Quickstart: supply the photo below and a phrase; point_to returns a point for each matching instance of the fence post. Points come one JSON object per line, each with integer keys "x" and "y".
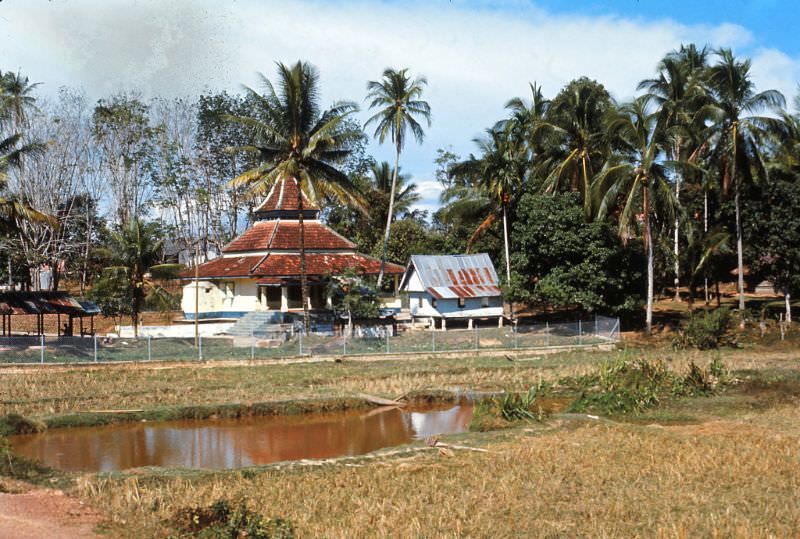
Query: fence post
{"x": 616, "y": 330}
{"x": 344, "y": 342}
{"x": 387, "y": 339}
{"x": 252, "y": 345}
{"x": 149, "y": 353}
{"x": 300, "y": 342}
{"x": 547, "y": 333}
{"x": 95, "y": 348}
{"x": 433, "y": 340}
{"x": 596, "y": 331}
{"x": 42, "y": 350}
{"x": 580, "y": 332}
{"x": 477, "y": 343}
{"x": 516, "y": 336}
{"x": 200, "y": 347}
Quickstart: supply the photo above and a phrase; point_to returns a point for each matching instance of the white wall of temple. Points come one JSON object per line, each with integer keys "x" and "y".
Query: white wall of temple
{"x": 233, "y": 295}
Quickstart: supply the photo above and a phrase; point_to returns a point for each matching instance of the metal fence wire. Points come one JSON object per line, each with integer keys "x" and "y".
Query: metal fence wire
{"x": 288, "y": 343}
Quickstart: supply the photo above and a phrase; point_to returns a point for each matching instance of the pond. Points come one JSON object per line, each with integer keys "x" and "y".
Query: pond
{"x": 237, "y": 443}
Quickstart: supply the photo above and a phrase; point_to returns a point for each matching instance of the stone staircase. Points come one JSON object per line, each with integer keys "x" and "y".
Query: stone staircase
{"x": 258, "y": 323}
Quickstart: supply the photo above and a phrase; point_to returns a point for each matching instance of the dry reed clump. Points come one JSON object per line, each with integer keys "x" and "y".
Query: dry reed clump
{"x": 723, "y": 479}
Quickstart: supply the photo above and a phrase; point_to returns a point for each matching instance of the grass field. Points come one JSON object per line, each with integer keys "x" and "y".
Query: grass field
{"x": 725, "y": 465}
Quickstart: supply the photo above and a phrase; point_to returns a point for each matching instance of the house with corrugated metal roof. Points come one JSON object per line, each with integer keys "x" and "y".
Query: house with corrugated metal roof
{"x": 442, "y": 288}
{"x": 259, "y": 271}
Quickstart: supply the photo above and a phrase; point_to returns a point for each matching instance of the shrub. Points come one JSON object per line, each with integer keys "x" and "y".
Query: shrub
{"x": 706, "y": 329}
{"x": 221, "y": 521}
{"x": 498, "y": 412}
{"x": 625, "y": 387}
{"x": 17, "y": 424}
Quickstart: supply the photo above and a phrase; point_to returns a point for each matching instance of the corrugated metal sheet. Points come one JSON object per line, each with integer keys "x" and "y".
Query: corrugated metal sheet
{"x": 457, "y": 276}
{"x": 18, "y": 303}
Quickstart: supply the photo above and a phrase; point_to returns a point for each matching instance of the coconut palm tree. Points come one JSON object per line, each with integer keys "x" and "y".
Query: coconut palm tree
{"x": 577, "y": 141}
{"x": 526, "y": 119}
{"x": 380, "y": 181}
{"x": 738, "y": 130}
{"x": 134, "y": 252}
{"x": 496, "y": 177}
{"x": 637, "y": 178}
{"x": 400, "y": 108}
{"x": 680, "y": 94}
{"x": 293, "y": 138}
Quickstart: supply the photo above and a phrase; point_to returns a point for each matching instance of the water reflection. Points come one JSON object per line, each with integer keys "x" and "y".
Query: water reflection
{"x": 235, "y": 443}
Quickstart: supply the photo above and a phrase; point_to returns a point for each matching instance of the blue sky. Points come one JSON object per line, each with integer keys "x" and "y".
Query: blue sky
{"x": 476, "y": 54}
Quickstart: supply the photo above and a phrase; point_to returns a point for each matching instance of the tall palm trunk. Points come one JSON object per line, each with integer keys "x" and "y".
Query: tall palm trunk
{"x": 677, "y": 223}
{"x": 705, "y": 232}
{"x": 391, "y": 213}
{"x": 739, "y": 246}
{"x": 787, "y": 298}
{"x": 505, "y": 240}
{"x": 649, "y": 247}
{"x": 303, "y": 276}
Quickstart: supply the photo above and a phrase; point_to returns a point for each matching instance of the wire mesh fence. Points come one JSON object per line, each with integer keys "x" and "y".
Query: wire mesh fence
{"x": 288, "y": 343}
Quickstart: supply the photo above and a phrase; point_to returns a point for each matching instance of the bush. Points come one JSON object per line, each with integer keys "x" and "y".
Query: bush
{"x": 624, "y": 387}
{"x": 16, "y": 424}
{"x": 221, "y": 521}
{"x": 499, "y": 412}
{"x": 707, "y": 329}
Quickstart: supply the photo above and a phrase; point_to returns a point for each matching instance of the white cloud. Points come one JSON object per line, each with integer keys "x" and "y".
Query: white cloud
{"x": 475, "y": 58}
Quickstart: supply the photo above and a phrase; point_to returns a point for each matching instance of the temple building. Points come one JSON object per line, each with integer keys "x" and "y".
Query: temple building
{"x": 260, "y": 270}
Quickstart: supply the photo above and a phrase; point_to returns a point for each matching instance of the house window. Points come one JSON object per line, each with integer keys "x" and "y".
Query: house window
{"x": 484, "y": 302}
{"x": 433, "y": 302}
{"x": 419, "y": 302}
{"x": 460, "y": 303}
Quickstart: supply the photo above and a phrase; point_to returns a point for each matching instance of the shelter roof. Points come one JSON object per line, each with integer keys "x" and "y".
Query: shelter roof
{"x": 47, "y": 302}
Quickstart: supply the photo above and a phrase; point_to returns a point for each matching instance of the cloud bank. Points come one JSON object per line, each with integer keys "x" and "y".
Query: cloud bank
{"x": 475, "y": 55}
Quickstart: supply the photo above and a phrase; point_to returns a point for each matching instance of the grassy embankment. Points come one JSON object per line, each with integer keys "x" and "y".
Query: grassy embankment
{"x": 724, "y": 464}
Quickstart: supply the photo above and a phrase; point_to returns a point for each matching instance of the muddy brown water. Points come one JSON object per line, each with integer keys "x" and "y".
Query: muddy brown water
{"x": 237, "y": 443}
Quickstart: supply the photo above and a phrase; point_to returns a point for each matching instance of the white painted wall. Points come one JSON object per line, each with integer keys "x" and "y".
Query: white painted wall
{"x": 176, "y": 331}
{"x": 218, "y": 297}
{"x": 449, "y": 307}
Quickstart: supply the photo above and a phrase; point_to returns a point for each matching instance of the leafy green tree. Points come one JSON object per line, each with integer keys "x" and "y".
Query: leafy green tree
{"x": 398, "y": 99}
{"x": 353, "y": 298}
{"x": 562, "y": 261}
{"x": 738, "y": 131}
{"x": 291, "y": 137}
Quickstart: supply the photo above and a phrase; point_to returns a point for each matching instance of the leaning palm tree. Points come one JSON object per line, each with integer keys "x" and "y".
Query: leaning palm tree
{"x": 398, "y": 99}
{"x": 637, "y": 179}
{"x": 738, "y": 130}
{"x": 293, "y": 138}
{"x": 680, "y": 94}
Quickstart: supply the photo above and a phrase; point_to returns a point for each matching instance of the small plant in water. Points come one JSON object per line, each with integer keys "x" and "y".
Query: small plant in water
{"x": 220, "y": 520}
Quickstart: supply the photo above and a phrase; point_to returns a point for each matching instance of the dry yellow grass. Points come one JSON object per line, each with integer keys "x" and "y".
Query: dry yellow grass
{"x": 720, "y": 479}
{"x": 44, "y": 391}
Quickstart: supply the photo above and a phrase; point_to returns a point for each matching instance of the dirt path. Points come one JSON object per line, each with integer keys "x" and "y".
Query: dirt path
{"x": 45, "y": 514}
